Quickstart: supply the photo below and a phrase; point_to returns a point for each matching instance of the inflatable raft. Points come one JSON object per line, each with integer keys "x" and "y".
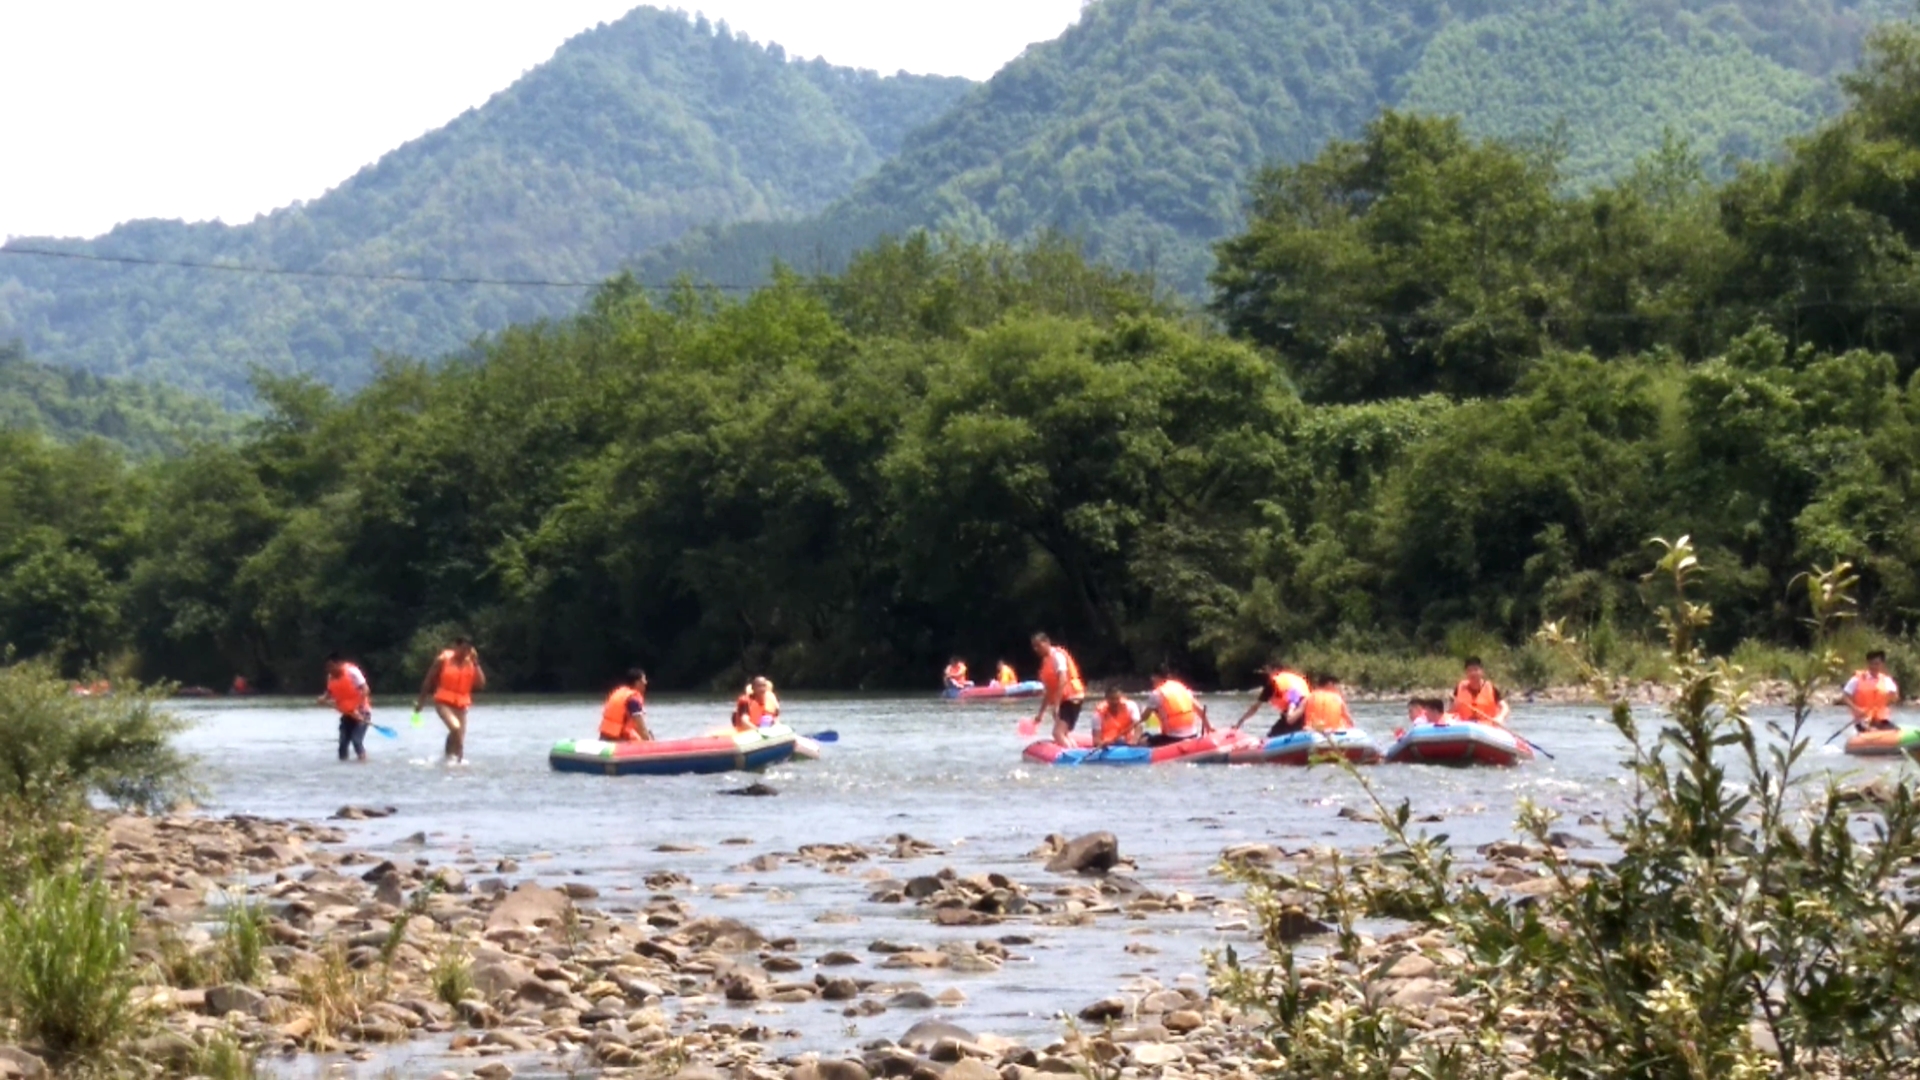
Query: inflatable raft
{"x": 1212, "y": 748}
{"x": 1458, "y": 744}
{"x": 994, "y": 692}
{"x": 1884, "y": 742}
{"x": 1308, "y": 748}
{"x": 748, "y": 751}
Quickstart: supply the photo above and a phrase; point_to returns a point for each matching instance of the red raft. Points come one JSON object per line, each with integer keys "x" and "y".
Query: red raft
{"x": 1211, "y": 748}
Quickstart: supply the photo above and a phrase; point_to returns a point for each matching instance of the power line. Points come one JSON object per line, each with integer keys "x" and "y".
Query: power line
{"x": 353, "y": 275}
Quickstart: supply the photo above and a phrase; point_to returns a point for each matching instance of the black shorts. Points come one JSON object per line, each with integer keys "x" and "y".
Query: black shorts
{"x": 1168, "y": 740}
{"x": 1070, "y": 713}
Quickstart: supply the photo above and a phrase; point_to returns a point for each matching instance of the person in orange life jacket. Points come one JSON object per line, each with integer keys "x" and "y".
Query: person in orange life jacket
{"x": 756, "y": 708}
{"x": 1119, "y": 720}
{"x": 1325, "y": 710}
{"x": 451, "y": 681}
{"x": 956, "y": 674}
{"x": 624, "y": 717}
{"x": 1181, "y": 717}
{"x": 1004, "y": 675}
{"x": 347, "y": 692}
{"x": 1871, "y": 694}
{"x": 1065, "y": 692}
{"x": 1286, "y": 691}
{"x": 1478, "y": 700}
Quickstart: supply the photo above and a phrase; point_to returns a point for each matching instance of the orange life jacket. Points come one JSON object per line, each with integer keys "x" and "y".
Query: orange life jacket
{"x": 1481, "y": 707}
{"x": 348, "y": 697}
{"x": 756, "y": 714}
{"x": 1287, "y": 684}
{"x": 1073, "y": 690}
{"x": 1873, "y": 697}
{"x": 1005, "y": 676}
{"x": 957, "y": 674}
{"x": 1326, "y": 711}
{"x": 615, "y": 724}
{"x": 1116, "y": 724}
{"x": 1179, "y": 716}
{"x": 456, "y": 681}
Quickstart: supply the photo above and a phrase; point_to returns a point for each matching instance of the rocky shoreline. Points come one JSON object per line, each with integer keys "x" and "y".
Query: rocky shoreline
{"x": 487, "y": 970}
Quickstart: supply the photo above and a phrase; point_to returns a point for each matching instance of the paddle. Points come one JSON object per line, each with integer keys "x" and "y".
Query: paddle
{"x": 384, "y": 730}
{"x": 1028, "y": 728}
{"x": 1537, "y": 746}
{"x": 1844, "y": 728}
{"x": 825, "y": 736}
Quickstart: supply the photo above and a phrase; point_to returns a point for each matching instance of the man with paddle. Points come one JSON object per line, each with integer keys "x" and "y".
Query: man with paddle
{"x": 347, "y": 692}
{"x": 1871, "y": 695}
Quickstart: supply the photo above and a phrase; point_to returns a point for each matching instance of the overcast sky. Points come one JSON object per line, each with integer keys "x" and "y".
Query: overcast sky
{"x": 202, "y": 109}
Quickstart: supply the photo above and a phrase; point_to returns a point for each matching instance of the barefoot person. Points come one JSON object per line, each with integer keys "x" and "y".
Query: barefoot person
{"x": 347, "y": 692}
{"x": 624, "y": 717}
{"x": 456, "y": 673}
{"x": 1065, "y": 691}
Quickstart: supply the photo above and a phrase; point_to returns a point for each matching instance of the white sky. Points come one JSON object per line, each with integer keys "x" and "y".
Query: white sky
{"x": 203, "y": 109}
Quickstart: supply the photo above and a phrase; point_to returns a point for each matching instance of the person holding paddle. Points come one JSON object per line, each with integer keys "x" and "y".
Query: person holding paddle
{"x": 1871, "y": 695}
{"x": 451, "y": 680}
{"x": 347, "y": 691}
{"x": 1476, "y": 699}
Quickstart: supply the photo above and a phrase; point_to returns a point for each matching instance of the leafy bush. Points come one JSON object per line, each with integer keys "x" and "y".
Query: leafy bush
{"x": 65, "y": 974}
{"x": 53, "y": 743}
{"x": 1746, "y": 929}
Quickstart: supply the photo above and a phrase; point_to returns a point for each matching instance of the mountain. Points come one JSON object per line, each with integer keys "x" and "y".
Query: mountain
{"x": 633, "y": 133}
{"x": 69, "y": 405}
{"x": 1136, "y": 130}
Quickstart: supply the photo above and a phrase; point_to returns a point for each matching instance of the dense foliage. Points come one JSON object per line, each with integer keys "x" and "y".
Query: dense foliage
{"x": 1136, "y": 129}
{"x": 67, "y": 404}
{"x": 631, "y": 134}
{"x": 1453, "y": 398}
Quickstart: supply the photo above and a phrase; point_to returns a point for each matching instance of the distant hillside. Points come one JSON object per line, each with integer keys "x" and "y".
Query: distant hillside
{"x": 631, "y": 134}
{"x": 69, "y": 405}
{"x": 1136, "y": 130}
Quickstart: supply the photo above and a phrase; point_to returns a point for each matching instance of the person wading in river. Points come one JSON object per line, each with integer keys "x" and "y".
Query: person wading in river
{"x": 1065, "y": 691}
{"x": 347, "y": 692}
{"x": 1286, "y": 690}
{"x": 451, "y": 681}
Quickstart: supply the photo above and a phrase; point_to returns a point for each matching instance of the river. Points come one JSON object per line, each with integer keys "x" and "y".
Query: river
{"x": 944, "y": 773}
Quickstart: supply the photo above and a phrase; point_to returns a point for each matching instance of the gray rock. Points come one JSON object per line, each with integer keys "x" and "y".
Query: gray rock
{"x": 222, "y": 1000}
{"x": 1094, "y": 853}
{"x": 911, "y": 999}
{"x": 842, "y": 989}
{"x": 698, "y": 1072}
{"x": 728, "y": 935}
{"x": 838, "y": 959}
{"x": 970, "y": 1069}
{"x": 923, "y": 1036}
{"x": 1103, "y": 1010}
{"x": 16, "y": 1062}
{"x": 529, "y": 906}
{"x": 499, "y": 978}
{"x": 494, "y": 1070}
{"x": 510, "y": 1039}
{"x": 450, "y": 880}
{"x": 831, "y": 1070}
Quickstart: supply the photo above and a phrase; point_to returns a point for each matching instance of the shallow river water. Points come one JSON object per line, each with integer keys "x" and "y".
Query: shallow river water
{"x": 948, "y": 774}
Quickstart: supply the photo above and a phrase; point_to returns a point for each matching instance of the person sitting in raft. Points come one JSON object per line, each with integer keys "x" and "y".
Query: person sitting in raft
{"x": 1325, "y": 709}
{"x": 348, "y": 693}
{"x": 1426, "y": 710}
{"x": 1871, "y": 695}
{"x": 1119, "y": 720}
{"x": 624, "y": 717}
{"x": 1476, "y": 699}
{"x": 1004, "y": 675}
{"x": 956, "y": 675}
{"x": 1065, "y": 692}
{"x": 757, "y": 708}
{"x": 1181, "y": 717}
{"x": 1286, "y": 691}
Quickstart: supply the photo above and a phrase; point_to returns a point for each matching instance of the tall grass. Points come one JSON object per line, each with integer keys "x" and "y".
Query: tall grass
{"x": 243, "y": 938}
{"x": 66, "y": 977}
{"x": 452, "y": 974}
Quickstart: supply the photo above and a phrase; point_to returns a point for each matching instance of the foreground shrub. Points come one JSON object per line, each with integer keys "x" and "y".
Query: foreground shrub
{"x": 53, "y": 743}
{"x": 66, "y": 977}
{"x": 1748, "y": 927}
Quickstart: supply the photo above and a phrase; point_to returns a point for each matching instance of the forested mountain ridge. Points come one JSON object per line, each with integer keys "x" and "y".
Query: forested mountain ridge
{"x": 142, "y": 419}
{"x": 631, "y": 134}
{"x": 1136, "y": 130}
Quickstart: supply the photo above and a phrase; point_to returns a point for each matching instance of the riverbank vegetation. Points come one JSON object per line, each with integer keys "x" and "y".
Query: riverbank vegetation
{"x": 1750, "y": 924}
{"x": 1448, "y": 401}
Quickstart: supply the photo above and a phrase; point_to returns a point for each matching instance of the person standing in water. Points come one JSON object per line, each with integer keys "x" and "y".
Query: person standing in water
{"x": 1065, "y": 690}
{"x": 348, "y": 693}
{"x": 451, "y": 681}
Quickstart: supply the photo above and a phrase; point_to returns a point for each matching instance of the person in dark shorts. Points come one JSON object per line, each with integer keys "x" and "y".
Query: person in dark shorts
{"x": 347, "y": 692}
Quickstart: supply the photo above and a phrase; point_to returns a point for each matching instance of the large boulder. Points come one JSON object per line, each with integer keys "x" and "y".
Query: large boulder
{"x": 730, "y": 935}
{"x": 923, "y": 1036}
{"x": 530, "y": 906}
{"x": 1094, "y": 853}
